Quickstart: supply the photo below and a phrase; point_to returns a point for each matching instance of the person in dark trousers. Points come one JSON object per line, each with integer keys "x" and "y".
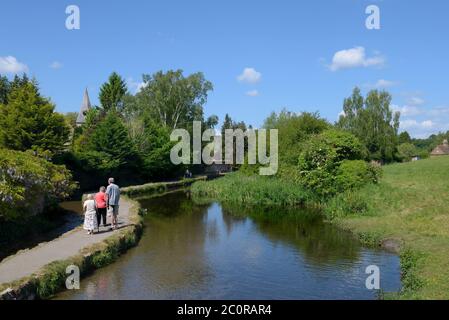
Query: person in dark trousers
{"x": 100, "y": 201}
{"x": 113, "y": 200}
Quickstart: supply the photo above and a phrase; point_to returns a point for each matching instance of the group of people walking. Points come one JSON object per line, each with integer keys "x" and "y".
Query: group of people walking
{"x": 98, "y": 207}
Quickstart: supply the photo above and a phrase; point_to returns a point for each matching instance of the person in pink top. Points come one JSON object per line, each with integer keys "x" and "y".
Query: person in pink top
{"x": 100, "y": 202}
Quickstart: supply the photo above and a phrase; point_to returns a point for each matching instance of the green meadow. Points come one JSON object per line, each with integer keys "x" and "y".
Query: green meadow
{"x": 410, "y": 207}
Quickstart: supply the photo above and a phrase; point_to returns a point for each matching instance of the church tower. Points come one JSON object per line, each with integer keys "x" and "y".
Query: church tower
{"x": 85, "y": 107}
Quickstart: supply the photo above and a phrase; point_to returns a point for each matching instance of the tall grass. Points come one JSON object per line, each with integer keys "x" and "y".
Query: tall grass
{"x": 238, "y": 188}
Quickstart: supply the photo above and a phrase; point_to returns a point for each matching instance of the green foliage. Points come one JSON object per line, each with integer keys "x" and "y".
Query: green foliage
{"x": 28, "y": 121}
{"x": 373, "y": 122}
{"x": 353, "y": 174}
{"x": 411, "y": 282}
{"x": 28, "y": 184}
{"x": 404, "y": 137}
{"x": 108, "y": 147}
{"x": 322, "y": 156}
{"x": 427, "y": 145}
{"x": 155, "y": 151}
{"x": 171, "y": 99}
{"x": 346, "y": 204}
{"x": 4, "y": 89}
{"x": 252, "y": 190}
{"x": 294, "y": 129}
{"x": 230, "y": 124}
{"x": 112, "y": 93}
{"x": 407, "y": 151}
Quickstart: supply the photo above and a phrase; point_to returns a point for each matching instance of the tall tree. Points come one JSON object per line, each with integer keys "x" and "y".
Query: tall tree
{"x": 227, "y": 124}
{"x": 373, "y": 122}
{"x": 112, "y": 93}
{"x": 28, "y": 121}
{"x": 4, "y": 89}
{"x": 172, "y": 99}
{"x": 294, "y": 129}
{"x": 110, "y": 138}
{"x": 404, "y": 137}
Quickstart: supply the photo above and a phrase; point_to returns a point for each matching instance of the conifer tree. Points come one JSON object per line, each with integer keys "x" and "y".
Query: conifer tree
{"x": 112, "y": 93}
{"x": 110, "y": 137}
{"x": 28, "y": 121}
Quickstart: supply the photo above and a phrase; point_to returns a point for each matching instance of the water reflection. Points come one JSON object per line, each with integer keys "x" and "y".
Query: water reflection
{"x": 192, "y": 251}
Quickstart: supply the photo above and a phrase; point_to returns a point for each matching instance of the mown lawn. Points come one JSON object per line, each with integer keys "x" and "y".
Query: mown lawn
{"x": 411, "y": 206}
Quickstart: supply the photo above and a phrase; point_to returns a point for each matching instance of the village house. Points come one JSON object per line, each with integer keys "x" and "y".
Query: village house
{"x": 441, "y": 150}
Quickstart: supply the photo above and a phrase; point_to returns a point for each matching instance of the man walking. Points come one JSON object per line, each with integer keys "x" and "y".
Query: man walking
{"x": 113, "y": 199}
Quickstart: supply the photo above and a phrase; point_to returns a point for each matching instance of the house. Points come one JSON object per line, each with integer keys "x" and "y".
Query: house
{"x": 85, "y": 107}
{"x": 441, "y": 150}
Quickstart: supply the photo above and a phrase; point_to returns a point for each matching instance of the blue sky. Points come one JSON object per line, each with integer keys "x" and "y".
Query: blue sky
{"x": 301, "y": 55}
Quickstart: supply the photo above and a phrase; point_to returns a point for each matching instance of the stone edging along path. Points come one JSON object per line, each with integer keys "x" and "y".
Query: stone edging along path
{"x": 40, "y": 272}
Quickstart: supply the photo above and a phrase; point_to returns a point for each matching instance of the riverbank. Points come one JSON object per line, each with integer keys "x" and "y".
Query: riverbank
{"x": 405, "y": 213}
{"x": 40, "y": 272}
{"x": 408, "y": 208}
{"x": 160, "y": 187}
{"x": 253, "y": 190}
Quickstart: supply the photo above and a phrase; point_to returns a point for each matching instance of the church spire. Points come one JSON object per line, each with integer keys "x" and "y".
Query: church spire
{"x": 85, "y": 107}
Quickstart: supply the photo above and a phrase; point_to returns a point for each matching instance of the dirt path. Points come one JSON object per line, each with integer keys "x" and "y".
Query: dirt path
{"x": 27, "y": 262}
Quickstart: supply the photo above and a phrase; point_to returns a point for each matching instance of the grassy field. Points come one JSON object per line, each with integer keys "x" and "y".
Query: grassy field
{"x": 409, "y": 206}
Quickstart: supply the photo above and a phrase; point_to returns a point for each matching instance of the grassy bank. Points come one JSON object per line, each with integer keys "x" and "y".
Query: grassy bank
{"x": 159, "y": 187}
{"x": 409, "y": 207}
{"x": 51, "y": 278}
{"x": 237, "y": 188}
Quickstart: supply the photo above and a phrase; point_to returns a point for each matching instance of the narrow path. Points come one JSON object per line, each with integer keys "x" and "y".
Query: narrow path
{"x": 27, "y": 262}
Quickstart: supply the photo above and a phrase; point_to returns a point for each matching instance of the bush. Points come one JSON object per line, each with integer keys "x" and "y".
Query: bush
{"x": 322, "y": 156}
{"x": 407, "y": 151}
{"x": 28, "y": 184}
{"x": 354, "y": 174}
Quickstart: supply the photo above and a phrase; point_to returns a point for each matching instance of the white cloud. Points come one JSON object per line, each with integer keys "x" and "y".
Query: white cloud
{"x": 354, "y": 58}
{"x": 416, "y": 101}
{"x": 411, "y": 123}
{"x": 135, "y": 86}
{"x": 423, "y": 129}
{"x": 56, "y": 65}
{"x": 408, "y": 111}
{"x": 250, "y": 75}
{"x": 10, "y": 65}
{"x": 427, "y": 124}
{"x": 382, "y": 84}
{"x": 252, "y": 93}
{"x": 439, "y": 112}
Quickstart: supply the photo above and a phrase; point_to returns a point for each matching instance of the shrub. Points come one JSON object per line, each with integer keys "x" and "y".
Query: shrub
{"x": 353, "y": 174}
{"x": 322, "y": 156}
{"x": 28, "y": 184}
{"x": 407, "y": 151}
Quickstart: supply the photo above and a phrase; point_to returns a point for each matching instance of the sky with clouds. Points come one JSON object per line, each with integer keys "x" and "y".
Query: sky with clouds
{"x": 261, "y": 56}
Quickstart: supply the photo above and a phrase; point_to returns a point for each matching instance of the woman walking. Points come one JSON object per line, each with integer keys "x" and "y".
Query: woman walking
{"x": 90, "y": 215}
{"x": 100, "y": 201}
